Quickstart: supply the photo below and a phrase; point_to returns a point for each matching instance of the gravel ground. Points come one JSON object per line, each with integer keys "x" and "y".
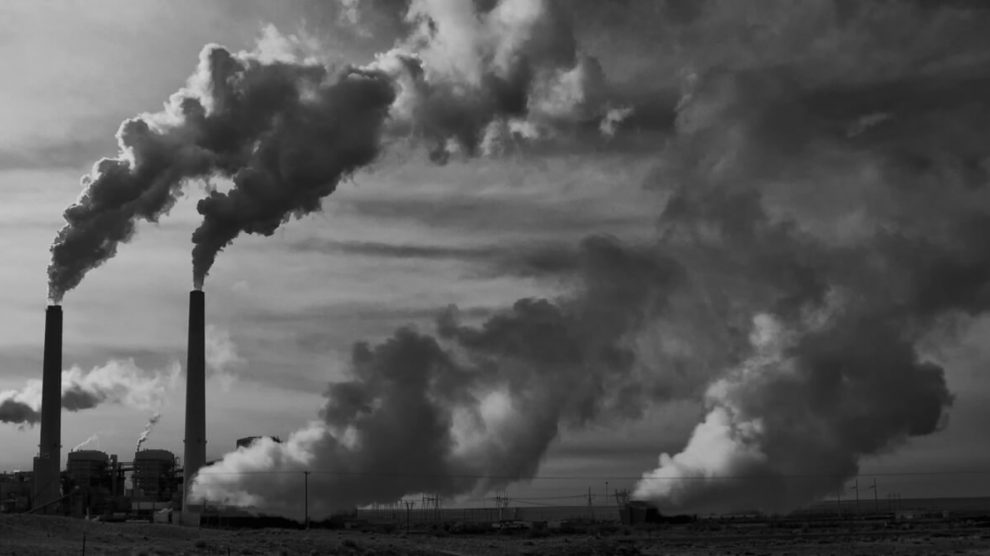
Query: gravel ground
{"x": 35, "y": 535}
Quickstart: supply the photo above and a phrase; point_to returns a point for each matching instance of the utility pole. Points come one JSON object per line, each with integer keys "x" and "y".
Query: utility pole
{"x": 838, "y": 500}
{"x": 306, "y": 498}
{"x": 876, "y": 498}
{"x": 432, "y": 502}
{"x": 591, "y": 507}
{"x": 409, "y": 507}
{"x": 606, "y": 493}
{"x": 856, "y": 488}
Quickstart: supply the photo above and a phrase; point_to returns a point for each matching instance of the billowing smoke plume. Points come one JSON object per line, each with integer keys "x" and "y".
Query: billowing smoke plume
{"x": 13, "y": 409}
{"x": 470, "y": 409}
{"x": 286, "y": 130}
{"x": 143, "y": 437}
{"x": 825, "y": 202}
{"x": 117, "y": 382}
{"x": 822, "y": 209}
{"x": 832, "y": 254}
{"x": 472, "y": 80}
{"x": 260, "y": 122}
{"x": 92, "y": 438}
{"x": 463, "y": 81}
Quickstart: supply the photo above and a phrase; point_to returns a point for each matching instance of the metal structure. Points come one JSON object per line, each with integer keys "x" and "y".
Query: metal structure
{"x": 92, "y": 482}
{"x": 155, "y": 476}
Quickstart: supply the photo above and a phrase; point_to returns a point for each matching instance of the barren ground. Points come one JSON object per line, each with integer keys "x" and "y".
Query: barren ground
{"x": 34, "y": 535}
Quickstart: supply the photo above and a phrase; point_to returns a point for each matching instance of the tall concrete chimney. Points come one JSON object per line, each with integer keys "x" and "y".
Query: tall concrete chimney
{"x": 195, "y": 449}
{"x": 47, "y": 486}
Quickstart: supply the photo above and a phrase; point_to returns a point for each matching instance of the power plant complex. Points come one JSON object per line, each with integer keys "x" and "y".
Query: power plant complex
{"x": 93, "y": 482}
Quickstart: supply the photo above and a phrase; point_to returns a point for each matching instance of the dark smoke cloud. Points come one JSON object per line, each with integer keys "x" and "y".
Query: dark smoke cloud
{"x": 243, "y": 116}
{"x": 308, "y": 145}
{"x": 118, "y": 382}
{"x": 17, "y": 412}
{"x": 825, "y": 204}
{"x": 472, "y": 407}
{"x": 842, "y": 234}
{"x": 286, "y": 131}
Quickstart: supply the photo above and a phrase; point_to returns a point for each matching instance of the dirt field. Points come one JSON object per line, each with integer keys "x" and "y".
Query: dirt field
{"x": 32, "y": 535}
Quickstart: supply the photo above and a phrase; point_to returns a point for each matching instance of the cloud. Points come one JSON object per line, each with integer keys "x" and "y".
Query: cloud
{"x": 222, "y": 357}
{"x": 117, "y": 381}
{"x": 804, "y": 248}
{"x": 493, "y": 214}
{"x": 15, "y": 411}
{"x": 286, "y": 130}
{"x": 469, "y": 408}
{"x": 72, "y": 153}
{"x": 525, "y": 260}
{"x": 829, "y": 254}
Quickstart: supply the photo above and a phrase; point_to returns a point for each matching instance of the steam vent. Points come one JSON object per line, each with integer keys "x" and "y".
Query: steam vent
{"x": 46, "y": 465}
{"x": 195, "y": 444}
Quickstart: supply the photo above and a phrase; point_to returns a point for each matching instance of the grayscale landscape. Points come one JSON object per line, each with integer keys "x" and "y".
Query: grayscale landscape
{"x": 495, "y": 277}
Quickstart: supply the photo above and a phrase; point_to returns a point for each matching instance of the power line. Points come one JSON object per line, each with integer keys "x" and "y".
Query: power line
{"x": 207, "y": 472}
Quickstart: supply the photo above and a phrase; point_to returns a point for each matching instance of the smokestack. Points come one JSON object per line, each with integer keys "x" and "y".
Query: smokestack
{"x": 47, "y": 464}
{"x": 195, "y": 444}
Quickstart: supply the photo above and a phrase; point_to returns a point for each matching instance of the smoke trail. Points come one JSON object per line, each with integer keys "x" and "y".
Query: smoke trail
{"x": 212, "y": 127}
{"x": 517, "y": 73}
{"x": 119, "y": 382}
{"x": 841, "y": 251}
{"x": 811, "y": 244}
{"x": 286, "y": 130}
{"x": 471, "y": 78}
{"x": 471, "y": 408}
{"x": 152, "y": 421}
{"x": 16, "y": 411}
{"x": 87, "y": 442}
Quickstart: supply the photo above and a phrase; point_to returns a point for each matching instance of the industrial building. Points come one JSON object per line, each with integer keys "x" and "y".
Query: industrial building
{"x": 15, "y": 491}
{"x": 97, "y": 483}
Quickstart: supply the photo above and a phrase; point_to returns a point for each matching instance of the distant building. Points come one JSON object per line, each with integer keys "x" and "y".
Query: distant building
{"x": 15, "y": 491}
{"x": 155, "y": 476}
{"x": 91, "y": 482}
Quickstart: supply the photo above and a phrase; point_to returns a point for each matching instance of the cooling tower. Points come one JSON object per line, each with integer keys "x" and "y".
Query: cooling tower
{"x": 47, "y": 485}
{"x": 195, "y": 444}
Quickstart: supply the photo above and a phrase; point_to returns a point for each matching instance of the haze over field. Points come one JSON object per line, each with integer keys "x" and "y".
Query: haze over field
{"x": 729, "y": 254}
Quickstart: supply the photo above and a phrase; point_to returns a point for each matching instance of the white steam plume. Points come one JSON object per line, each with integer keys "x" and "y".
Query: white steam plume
{"x": 119, "y": 381}
{"x": 143, "y": 437}
{"x": 469, "y": 409}
{"x": 222, "y": 358}
{"x": 92, "y": 438}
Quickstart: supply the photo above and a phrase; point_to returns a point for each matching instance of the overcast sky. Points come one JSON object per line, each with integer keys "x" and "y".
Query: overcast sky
{"x": 906, "y": 85}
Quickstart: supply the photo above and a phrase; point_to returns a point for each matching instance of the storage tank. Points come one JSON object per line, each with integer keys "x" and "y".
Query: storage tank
{"x": 154, "y": 475}
{"x": 88, "y": 468}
